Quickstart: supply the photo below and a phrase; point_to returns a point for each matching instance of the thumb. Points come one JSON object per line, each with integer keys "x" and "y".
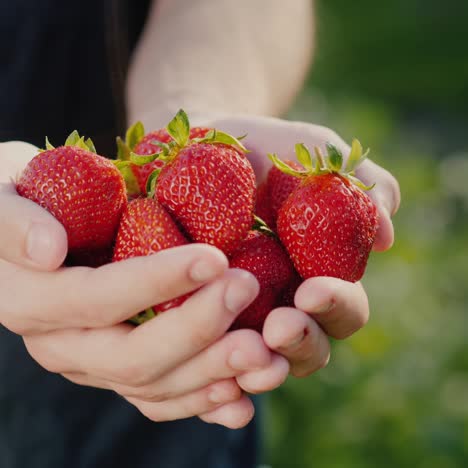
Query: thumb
{"x": 386, "y": 196}
{"x": 30, "y": 236}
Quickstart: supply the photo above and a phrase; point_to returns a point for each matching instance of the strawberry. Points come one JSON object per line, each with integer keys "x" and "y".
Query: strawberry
{"x": 138, "y": 143}
{"x": 136, "y": 175}
{"x": 254, "y": 316}
{"x": 207, "y": 185}
{"x": 328, "y": 224}
{"x": 286, "y": 298}
{"x": 274, "y": 191}
{"x": 262, "y": 255}
{"x": 92, "y": 258}
{"x": 263, "y": 205}
{"x": 84, "y": 191}
{"x": 146, "y": 228}
{"x": 149, "y": 143}
{"x": 146, "y": 147}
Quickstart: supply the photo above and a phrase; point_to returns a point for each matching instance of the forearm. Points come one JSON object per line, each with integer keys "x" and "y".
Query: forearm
{"x": 218, "y": 57}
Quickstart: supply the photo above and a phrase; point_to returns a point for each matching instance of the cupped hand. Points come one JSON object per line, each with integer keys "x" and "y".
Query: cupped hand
{"x": 181, "y": 364}
{"x": 325, "y": 307}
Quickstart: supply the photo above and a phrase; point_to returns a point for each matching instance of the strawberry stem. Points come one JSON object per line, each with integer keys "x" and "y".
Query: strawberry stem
{"x": 151, "y": 183}
{"x": 179, "y": 128}
{"x": 332, "y": 163}
{"x": 260, "y": 226}
{"x": 134, "y": 135}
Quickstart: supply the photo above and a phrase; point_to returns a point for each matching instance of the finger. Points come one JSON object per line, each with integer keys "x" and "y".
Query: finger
{"x": 294, "y": 335}
{"x": 266, "y": 379}
{"x": 273, "y": 135}
{"x": 87, "y": 297}
{"x": 30, "y": 236}
{"x": 232, "y": 355}
{"x": 201, "y": 401}
{"x": 233, "y": 415}
{"x": 386, "y": 196}
{"x": 15, "y": 155}
{"x": 341, "y": 308}
{"x": 196, "y": 324}
{"x": 138, "y": 356}
{"x": 278, "y": 136}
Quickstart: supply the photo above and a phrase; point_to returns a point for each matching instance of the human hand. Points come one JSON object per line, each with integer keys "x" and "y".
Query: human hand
{"x": 181, "y": 364}
{"x": 325, "y": 306}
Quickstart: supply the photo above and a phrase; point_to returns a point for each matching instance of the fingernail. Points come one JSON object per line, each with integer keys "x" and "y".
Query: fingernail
{"x": 237, "y": 360}
{"x": 240, "y": 292}
{"x": 39, "y": 243}
{"x": 203, "y": 271}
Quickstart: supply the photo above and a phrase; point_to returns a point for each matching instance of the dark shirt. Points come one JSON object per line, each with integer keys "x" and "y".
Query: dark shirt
{"x": 63, "y": 67}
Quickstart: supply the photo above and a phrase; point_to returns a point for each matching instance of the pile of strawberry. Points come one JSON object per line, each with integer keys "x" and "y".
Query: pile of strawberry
{"x": 178, "y": 185}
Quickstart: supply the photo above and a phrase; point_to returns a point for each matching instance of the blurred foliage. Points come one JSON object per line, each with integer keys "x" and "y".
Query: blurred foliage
{"x": 395, "y": 394}
{"x": 412, "y": 52}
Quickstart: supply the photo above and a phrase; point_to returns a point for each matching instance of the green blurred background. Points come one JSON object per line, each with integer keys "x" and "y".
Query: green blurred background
{"x": 395, "y": 75}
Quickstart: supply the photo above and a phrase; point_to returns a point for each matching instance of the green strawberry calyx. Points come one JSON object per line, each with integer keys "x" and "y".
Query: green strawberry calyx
{"x": 331, "y": 163}
{"x": 260, "y": 226}
{"x": 143, "y": 317}
{"x": 133, "y": 136}
{"x": 179, "y": 129}
{"x": 75, "y": 140}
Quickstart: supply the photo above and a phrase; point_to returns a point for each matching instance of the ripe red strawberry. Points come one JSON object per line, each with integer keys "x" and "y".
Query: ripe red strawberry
{"x": 263, "y": 205}
{"x": 266, "y": 259}
{"x": 273, "y": 192}
{"x": 148, "y": 144}
{"x": 92, "y": 258}
{"x": 286, "y": 298}
{"x": 146, "y": 228}
{"x": 83, "y": 190}
{"x": 328, "y": 224}
{"x": 207, "y": 185}
{"x": 138, "y": 143}
{"x": 146, "y": 147}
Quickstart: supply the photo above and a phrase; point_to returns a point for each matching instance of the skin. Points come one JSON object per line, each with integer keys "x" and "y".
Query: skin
{"x": 184, "y": 363}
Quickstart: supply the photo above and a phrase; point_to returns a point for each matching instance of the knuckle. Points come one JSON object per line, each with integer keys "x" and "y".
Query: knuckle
{"x": 79, "y": 307}
{"x": 247, "y": 339}
{"x": 227, "y": 391}
{"x": 203, "y": 334}
{"x": 133, "y": 375}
